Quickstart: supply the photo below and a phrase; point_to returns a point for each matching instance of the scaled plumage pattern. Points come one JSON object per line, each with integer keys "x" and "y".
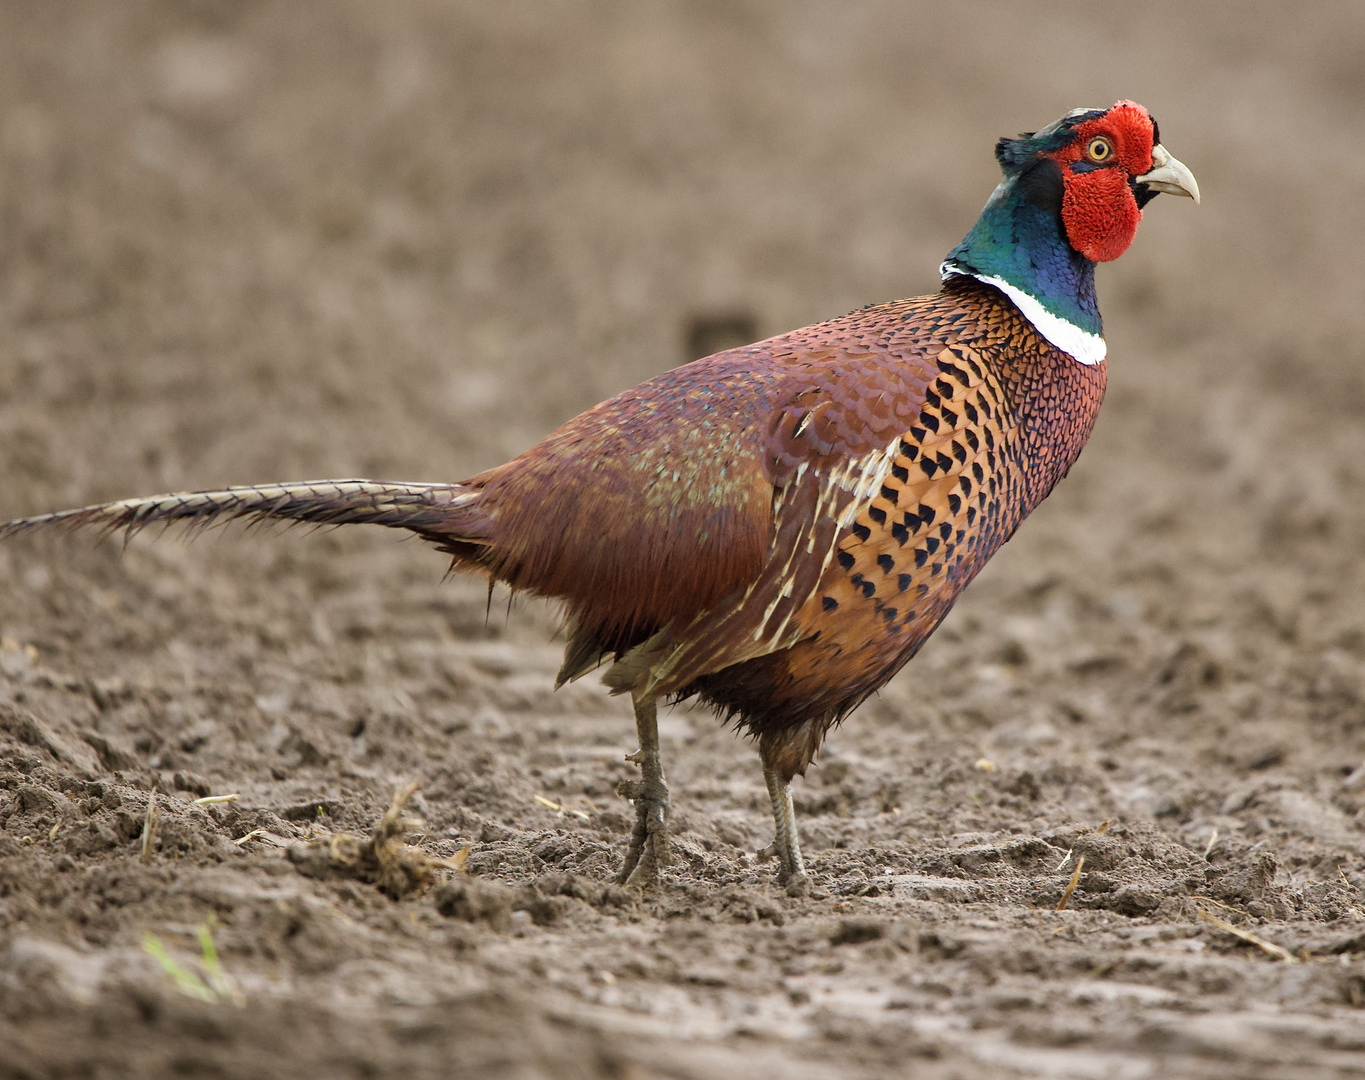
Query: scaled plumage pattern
{"x": 778, "y": 528}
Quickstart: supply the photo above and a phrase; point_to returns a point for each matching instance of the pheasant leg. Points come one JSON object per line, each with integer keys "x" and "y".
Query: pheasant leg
{"x": 786, "y": 845}
{"x": 647, "y": 852}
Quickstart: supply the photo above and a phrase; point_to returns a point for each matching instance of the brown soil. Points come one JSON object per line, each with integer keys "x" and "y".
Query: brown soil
{"x": 252, "y": 241}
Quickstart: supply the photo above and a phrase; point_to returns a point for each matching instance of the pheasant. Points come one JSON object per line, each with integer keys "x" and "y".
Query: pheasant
{"x": 777, "y": 529}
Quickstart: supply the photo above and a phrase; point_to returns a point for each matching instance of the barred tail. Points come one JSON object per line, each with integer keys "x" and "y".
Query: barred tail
{"x": 436, "y": 511}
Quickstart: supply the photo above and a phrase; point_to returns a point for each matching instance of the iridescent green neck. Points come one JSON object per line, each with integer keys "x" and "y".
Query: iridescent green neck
{"x": 1019, "y": 239}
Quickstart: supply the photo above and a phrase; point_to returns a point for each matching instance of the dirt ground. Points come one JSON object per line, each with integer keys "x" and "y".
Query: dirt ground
{"x": 251, "y": 241}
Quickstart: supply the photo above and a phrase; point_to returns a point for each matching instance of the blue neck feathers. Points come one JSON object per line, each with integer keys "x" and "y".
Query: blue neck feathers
{"x": 1020, "y": 240}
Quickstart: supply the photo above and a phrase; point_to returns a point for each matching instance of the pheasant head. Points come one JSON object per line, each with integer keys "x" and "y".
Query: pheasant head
{"x": 1072, "y": 197}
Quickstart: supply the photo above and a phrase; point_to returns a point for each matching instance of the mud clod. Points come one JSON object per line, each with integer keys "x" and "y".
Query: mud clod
{"x": 472, "y": 899}
{"x": 855, "y": 931}
{"x": 1135, "y": 901}
{"x": 1241, "y": 884}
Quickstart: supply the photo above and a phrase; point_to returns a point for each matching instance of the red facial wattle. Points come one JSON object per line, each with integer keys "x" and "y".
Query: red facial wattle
{"x": 1099, "y": 209}
{"x": 1100, "y": 213}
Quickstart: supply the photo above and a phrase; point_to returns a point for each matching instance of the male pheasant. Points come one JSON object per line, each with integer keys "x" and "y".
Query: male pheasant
{"x": 778, "y": 528}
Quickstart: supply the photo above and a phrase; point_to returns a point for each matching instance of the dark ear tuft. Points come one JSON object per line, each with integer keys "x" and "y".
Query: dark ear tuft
{"x": 1014, "y": 153}
{"x": 1041, "y": 184}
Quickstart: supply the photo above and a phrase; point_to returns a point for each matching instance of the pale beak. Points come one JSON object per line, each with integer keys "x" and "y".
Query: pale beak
{"x": 1169, "y": 175}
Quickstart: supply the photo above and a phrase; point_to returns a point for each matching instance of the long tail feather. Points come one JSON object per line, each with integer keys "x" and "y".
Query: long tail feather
{"x": 424, "y": 508}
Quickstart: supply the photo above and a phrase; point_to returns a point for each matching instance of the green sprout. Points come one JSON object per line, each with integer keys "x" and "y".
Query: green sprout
{"x": 213, "y": 985}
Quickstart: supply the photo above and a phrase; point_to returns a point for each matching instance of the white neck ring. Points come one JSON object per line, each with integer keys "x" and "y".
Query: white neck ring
{"x": 1081, "y": 345}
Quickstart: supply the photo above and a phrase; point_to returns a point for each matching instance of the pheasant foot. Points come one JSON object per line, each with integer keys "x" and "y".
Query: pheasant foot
{"x": 647, "y": 852}
{"x": 786, "y": 845}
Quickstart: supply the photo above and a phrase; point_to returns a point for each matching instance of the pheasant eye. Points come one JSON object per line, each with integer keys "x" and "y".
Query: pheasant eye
{"x": 1098, "y": 149}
